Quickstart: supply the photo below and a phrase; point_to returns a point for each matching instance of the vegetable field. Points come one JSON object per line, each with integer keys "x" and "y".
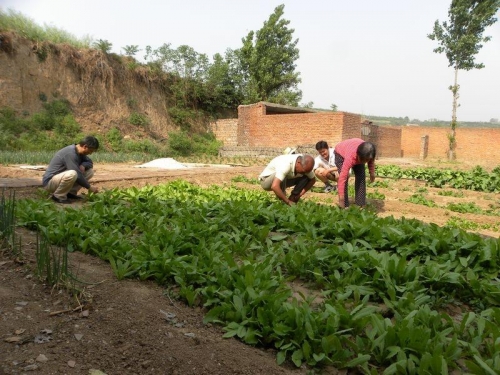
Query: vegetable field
{"x": 380, "y": 294}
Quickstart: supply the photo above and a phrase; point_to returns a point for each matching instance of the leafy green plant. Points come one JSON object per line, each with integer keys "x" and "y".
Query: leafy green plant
{"x": 8, "y": 222}
{"x": 252, "y": 181}
{"x": 375, "y": 195}
{"x": 464, "y": 207}
{"x": 180, "y": 143}
{"x": 103, "y": 45}
{"x": 420, "y": 199}
{"x": 138, "y": 119}
{"x": 378, "y": 287}
{"x": 52, "y": 263}
{"x": 451, "y": 193}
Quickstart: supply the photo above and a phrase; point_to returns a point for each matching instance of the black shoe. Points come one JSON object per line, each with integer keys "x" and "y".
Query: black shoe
{"x": 57, "y": 200}
{"x": 74, "y": 196}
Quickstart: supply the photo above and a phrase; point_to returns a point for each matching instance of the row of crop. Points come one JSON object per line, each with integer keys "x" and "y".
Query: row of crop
{"x": 477, "y": 179}
{"x": 383, "y": 281}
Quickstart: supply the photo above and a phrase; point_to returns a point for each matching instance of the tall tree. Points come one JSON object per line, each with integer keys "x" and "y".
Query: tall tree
{"x": 267, "y": 62}
{"x": 461, "y": 39}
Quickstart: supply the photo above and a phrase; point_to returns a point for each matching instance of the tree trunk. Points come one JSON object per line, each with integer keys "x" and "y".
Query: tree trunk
{"x": 451, "y": 136}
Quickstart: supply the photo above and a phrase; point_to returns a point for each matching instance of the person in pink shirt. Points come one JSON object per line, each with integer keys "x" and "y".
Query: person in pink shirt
{"x": 354, "y": 153}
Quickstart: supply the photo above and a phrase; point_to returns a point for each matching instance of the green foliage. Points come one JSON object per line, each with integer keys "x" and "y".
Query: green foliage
{"x": 103, "y": 45}
{"x": 131, "y": 50}
{"x": 206, "y": 143}
{"x": 8, "y": 223}
{"x": 51, "y": 263}
{"x": 141, "y": 146}
{"x": 464, "y": 224}
{"x": 475, "y": 179}
{"x": 385, "y": 283}
{"x": 138, "y": 119}
{"x": 183, "y": 117}
{"x": 420, "y": 199}
{"x": 461, "y": 39}
{"x": 375, "y": 195}
{"x": 247, "y": 180}
{"x": 180, "y": 143}
{"x": 114, "y": 139}
{"x": 451, "y": 193}
{"x": 27, "y": 28}
{"x": 469, "y": 207}
{"x": 267, "y": 62}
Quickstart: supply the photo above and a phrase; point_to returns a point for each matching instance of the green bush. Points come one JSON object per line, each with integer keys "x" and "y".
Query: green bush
{"x": 180, "y": 143}
{"x": 182, "y": 117}
{"x": 144, "y": 146}
{"x": 206, "y": 143}
{"x": 42, "y": 121}
{"x": 138, "y": 119}
{"x": 58, "y": 107}
{"x": 67, "y": 126}
{"x": 114, "y": 139}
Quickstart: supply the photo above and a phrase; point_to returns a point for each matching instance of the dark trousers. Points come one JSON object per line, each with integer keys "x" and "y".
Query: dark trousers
{"x": 359, "y": 182}
{"x": 298, "y": 184}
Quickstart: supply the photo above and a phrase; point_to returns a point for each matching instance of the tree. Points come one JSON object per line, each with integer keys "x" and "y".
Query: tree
{"x": 267, "y": 62}
{"x": 131, "y": 50}
{"x": 460, "y": 40}
{"x": 334, "y": 107}
{"x": 104, "y": 45}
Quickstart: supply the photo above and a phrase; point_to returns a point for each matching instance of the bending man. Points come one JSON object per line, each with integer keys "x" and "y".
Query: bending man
{"x": 289, "y": 170}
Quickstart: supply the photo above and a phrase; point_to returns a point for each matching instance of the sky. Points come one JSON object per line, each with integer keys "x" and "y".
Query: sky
{"x": 370, "y": 57}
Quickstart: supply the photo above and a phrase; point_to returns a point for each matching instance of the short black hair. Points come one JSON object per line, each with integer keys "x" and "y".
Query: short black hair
{"x": 321, "y": 145}
{"x": 90, "y": 142}
{"x": 366, "y": 150}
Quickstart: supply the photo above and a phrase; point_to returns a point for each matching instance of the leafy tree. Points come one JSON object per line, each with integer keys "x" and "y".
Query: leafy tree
{"x": 131, "y": 50}
{"x": 334, "y": 107}
{"x": 267, "y": 62}
{"x": 461, "y": 39}
{"x": 307, "y": 105}
{"x": 222, "y": 89}
{"x": 104, "y": 45}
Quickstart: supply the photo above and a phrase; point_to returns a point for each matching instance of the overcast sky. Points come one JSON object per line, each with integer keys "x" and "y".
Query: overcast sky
{"x": 370, "y": 57}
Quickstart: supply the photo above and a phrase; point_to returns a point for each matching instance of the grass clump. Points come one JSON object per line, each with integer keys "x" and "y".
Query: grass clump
{"x": 10, "y": 20}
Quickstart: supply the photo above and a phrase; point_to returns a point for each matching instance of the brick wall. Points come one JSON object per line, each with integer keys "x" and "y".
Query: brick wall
{"x": 388, "y": 141}
{"x": 258, "y": 129}
{"x": 226, "y": 130}
{"x": 472, "y": 143}
{"x": 271, "y": 133}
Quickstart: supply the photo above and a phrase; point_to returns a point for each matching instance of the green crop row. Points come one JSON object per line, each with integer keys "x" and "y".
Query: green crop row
{"x": 380, "y": 288}
{"x": 476, "y": 179}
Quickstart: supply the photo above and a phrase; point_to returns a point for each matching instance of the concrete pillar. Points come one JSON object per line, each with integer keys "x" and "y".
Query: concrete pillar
{"x": 424, "y": 146}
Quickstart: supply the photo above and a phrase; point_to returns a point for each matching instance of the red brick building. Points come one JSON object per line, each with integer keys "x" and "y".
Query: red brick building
{"x": 266, "y": 128}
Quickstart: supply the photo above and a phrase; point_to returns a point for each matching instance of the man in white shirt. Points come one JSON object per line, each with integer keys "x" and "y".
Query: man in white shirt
{"x": 324, "y": 166}
{"x": 289, "y": 170}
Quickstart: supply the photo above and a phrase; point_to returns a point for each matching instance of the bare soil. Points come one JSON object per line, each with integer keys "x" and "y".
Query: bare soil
{"x": 132, "y": 327}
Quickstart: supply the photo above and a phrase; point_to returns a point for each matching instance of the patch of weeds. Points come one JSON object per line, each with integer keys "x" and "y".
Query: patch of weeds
{"x": 379, "y": 184}
{"x": 375, "y": 195}
{"x": 469, "y": 207}
{"x": 420, "y": 199}
{"x": 138, "y": 119}
{"x": 456, "y": 222}
{"x": 451, "y": 193}
{"x": 252, "y": 181}
{"x": 422, "y": 190}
